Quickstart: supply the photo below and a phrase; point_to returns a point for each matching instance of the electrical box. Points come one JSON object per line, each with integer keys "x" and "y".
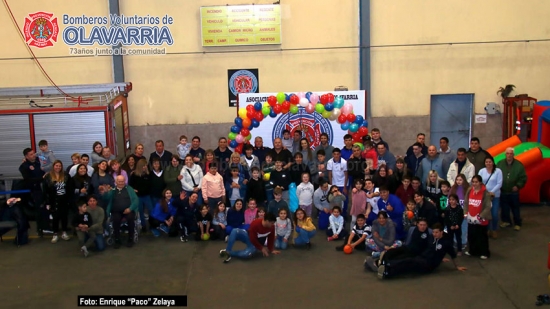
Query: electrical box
{"x": 492, "y": 108}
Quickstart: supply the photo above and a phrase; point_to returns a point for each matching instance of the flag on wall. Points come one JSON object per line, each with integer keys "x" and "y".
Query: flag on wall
{"x": 242, "y": 81}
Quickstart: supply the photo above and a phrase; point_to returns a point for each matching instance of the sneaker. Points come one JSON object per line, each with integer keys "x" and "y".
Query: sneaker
{"x": 155, "y": 232}
{"x": 64, "y": 236}
{"x": 467, "y": 253}
{"x": 381, "y": 270}
{"x": 226, "y": 238}
{"x": 370, "y": 264}
{"x": 225, "y": 256}
{"x": 382, "y": 256}
{"x": 117, "y": 244}
{"x": 54, "y": 238}
{"x": 517, "y": 227}
{"x": 308, "y": 246}
{"x": 84, "y": 251}
{"x": 182, "y": 239}
{"x": 504, "y": 224}
{"x": 375, "y": 254}
{"x": 483, "y": 257}
{"x": 164, "y": 228}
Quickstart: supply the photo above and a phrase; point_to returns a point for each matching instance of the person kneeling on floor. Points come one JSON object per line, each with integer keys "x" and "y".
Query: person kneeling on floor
{"x": 98, "y": 219}
{"x": 82, "y": 223}
{"x": 162, "y": 218}
{"x": 254, "y": 239}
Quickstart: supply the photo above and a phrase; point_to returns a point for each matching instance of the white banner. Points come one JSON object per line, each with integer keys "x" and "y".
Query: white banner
{"x": 311, "y": 125}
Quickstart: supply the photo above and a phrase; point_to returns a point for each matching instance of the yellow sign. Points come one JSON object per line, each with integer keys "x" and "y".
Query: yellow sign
{"x": 241, "y": 25}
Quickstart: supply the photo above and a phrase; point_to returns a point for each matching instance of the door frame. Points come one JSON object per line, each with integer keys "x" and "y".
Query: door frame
{"x": 472, "y": 114}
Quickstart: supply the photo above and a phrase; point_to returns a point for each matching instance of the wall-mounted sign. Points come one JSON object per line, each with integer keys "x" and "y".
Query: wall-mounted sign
{"x": 241, "y": 25}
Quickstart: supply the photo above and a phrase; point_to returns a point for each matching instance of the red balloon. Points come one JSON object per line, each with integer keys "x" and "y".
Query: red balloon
{"x": 247, "y": 122}
{"x": 259, "y": 116}
{"x": 342, "y": 118}
{"x": 357, "y": 138}
{"x": 244, "y": 132}
{"x": 330, "y": 98}
{"x": 363, "y": 131}
{"x": 294, "y": 99}
{"x": 286, "y": 105}
{"x": 285, "y": 110}
{"x": 250, "y": 114}
{"x": 351, "y": 118}
{"x": 277, "y": 109}
{"x": 250, "y": 108}
{"x": 239, "y": 148}
{"x": 272, "y": 100}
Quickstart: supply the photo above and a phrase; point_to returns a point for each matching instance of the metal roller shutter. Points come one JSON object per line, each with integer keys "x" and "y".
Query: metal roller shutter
{"x": 15, "y": 137}
{"x": 68, "y": 133}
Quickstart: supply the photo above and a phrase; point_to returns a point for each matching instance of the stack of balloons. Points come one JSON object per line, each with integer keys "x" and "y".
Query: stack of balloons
{"x": 329, "y": 106}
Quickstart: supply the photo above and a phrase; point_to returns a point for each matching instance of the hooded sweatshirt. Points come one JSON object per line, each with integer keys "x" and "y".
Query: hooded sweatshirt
{"x": 191, "y": 174}
{"x": 283, "y": 227}
{"x": 46, "y": 159}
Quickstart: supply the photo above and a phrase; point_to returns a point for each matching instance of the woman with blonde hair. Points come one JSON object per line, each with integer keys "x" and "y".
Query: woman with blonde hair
{"x": 141, "y": 182}
{"x": 433, "y": 186}
{"x": 56, "y": 193}
{"x": 138, "y": 152}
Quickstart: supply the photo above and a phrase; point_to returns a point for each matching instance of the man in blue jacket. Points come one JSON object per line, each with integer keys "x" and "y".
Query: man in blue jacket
{"x": 394, "y": 207}
{"x": 33, "y": 176}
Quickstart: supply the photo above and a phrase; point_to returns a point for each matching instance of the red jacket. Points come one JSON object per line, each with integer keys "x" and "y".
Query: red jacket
{"x": 257, "y": 231}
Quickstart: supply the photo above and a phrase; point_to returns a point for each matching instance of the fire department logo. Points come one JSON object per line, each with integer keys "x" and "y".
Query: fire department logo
{"x": 40, "y": 29}
{"x": 243, "y": 81}
{"x": 311, "y": 125}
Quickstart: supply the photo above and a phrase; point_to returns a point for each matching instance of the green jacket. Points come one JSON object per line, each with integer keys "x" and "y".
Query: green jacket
{"x": 170, "y": 175}
{"x": 512, "y": 175}
{"x": 109, "y": 196}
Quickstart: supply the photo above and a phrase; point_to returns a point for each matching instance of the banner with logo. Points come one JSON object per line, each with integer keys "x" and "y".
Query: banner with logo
{"x": 100, "y": 35}
{"x": 242, "y": 81}
{"x": 311, "y": 124}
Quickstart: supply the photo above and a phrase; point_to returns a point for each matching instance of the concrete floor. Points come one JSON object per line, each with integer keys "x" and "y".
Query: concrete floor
{"x": 45, "y": 275}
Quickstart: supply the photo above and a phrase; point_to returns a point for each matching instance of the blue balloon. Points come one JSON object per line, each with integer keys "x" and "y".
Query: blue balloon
{"x": 239, "y": 121}
{"x": 365, "y": 124}
{"x": 255, "y": 123}
{"x": 250, "y": 128}
{"x": 359, "y": 120}
{"x": 338, "y": 102}
{"x": 353, "y": 127}
{"x": 258, "y": 106}
{"x": 233, "y": 144}
{"x": 272, "y": 113}
{"x": 235, "y": 129}
{"x": 345, "y": 125}
{"x": 329, "y": 107}
{"x": 287, "y": 97}
{"x": 308, "y": 94}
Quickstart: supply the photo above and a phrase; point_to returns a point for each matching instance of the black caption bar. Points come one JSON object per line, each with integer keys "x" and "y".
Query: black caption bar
{"x": 130, "y": 301}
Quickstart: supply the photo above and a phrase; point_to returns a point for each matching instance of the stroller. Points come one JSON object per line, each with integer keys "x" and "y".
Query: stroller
{"x": 109, "y": 231}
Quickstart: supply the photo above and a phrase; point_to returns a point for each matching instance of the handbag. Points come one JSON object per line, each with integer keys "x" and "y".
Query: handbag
{"x": 192, "y": 178}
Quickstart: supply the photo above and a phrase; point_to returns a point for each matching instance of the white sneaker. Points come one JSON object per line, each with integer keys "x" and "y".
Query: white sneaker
{"x": 483, "y": 257}
{"x": 64, "y": 236}
{"x": 55, "y": 239}
{"x": 84, "y": 251}
{"x": 467, "y": 253}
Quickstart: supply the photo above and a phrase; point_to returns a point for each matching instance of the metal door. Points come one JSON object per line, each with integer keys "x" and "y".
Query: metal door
{"x": 451, "y": 116}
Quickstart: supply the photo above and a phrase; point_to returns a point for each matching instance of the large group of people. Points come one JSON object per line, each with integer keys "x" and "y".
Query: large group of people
{"x": 407, "y": 212}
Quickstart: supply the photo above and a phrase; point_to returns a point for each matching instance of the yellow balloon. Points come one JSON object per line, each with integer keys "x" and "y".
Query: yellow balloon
{"x": 242, "y": 112}
{"x": 267, "y": 176}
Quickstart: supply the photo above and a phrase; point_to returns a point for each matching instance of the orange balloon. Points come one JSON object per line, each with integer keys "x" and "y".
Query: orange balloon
{"x": 348, "y": 249}
{"x": 246, "y": 122}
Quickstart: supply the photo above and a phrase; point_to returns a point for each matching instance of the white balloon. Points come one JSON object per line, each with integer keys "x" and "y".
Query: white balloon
{"x": 303, "y": 102}
{"x": 336, "y": 112}
{"x": 332, "y": 117}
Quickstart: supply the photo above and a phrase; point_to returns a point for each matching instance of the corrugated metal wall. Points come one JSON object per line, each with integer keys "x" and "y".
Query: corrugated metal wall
{"x": 14, "y": 137}
{"x": 68, "y": 133}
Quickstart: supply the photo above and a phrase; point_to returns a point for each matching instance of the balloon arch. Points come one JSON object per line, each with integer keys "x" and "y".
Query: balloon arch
{"x": 328, "y": 105}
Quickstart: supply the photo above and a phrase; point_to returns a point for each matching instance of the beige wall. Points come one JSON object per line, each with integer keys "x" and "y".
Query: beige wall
{"x": 17, "y": 68}
{"x": 191, "y": 87}
{"x": 403, "y": 78}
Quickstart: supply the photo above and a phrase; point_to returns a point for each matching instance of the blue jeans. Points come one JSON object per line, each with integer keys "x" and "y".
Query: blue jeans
{"x": 154, "y": 201}
{"x": 493, "y": 225}
{"x": 269, "y": 194}
{"x": 510, "y": 201}
{"x": 241, "y": 235}
{"x": 144, "y": 202}
{"x": 464, "y": 228}
{"x": 280, "y": 243}
{"x": 323, "y": 220}
{"x": 304, "y": 236}
{"x": 345, "y": 206}
{"x": 200, "y": 201}
{"x": 99, "y": 241}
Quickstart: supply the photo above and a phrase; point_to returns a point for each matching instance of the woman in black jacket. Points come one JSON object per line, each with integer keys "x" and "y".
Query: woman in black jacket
{"x": 140, "y": 180}
{"x": 57, "y": 193}
{"x": 81, "y": 184}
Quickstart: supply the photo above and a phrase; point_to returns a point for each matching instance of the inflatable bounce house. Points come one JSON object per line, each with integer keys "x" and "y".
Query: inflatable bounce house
{"x": 533, "y": 153}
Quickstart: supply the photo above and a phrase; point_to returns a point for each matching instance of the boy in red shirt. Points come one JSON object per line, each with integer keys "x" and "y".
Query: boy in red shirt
{"x": 254, "y": 239}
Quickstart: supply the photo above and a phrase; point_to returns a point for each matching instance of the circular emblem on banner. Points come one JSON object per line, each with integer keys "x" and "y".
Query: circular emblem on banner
{"x": 243, "y": 81}
{"x": 40, "y": 29}
{"x": 311, "y": 125}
